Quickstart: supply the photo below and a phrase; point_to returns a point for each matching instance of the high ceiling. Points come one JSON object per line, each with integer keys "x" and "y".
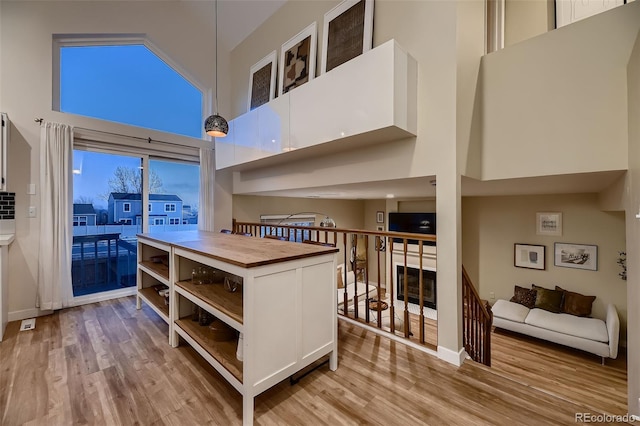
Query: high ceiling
{"x": 239, "y": 18}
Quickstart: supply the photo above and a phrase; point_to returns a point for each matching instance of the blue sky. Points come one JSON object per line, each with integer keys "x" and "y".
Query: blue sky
{"x": 129, "y": 84}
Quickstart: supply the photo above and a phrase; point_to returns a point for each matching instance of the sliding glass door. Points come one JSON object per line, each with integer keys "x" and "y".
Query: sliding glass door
{"x": 107, "y": 215}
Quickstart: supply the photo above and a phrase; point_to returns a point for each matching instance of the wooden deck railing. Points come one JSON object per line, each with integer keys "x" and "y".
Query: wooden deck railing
{"x": 368, "y": 295}
{"x": 477, "y": 320}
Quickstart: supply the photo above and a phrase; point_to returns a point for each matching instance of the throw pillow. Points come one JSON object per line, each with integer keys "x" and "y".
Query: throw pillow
{"x": 524, "y": 296}
{"x": 576, "y": 303}
{"x": 549, "y": 300}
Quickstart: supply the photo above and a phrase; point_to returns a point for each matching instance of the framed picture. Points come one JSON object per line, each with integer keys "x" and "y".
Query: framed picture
{"x": 578, "y": 256}
{"x": 347, "y": 32}
{"x": 549, "y": 223}
{"x": 379, "y": 217}
{"x": 262, "y": 81}
{"x": 529, "y": 256}
{"x": 298, "y": 59}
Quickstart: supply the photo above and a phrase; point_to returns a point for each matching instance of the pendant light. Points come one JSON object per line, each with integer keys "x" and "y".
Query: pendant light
{"x": 215, "y": 125}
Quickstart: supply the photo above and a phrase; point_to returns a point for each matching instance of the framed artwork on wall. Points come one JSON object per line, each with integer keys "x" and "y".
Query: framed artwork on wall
{"x": 549, "y": 223}
{"x": 262, "y": 81}
{"x": 298, "y": 59}
{"x": 529, "y": 256}
{"x": 380, "y": 217}
{"x": 347, "y": 32}
{"x": 578, "y": 256}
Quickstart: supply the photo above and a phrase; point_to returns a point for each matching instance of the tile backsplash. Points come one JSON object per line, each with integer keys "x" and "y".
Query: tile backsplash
{"x": 7, "y": 212}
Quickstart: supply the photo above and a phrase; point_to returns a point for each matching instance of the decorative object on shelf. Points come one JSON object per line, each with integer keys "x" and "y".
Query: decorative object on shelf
{"x": 231, "y": 284}
{"x": 221, "y": 332}
{"x": 262, "y": 81}
{"x": 578, "y": 256}
{"x": 161, "y": 258}
{"x": 215, "y": 125}
{"x": 298, "y": 59}
{"x": 529, "y": 256}
{"x": 347, "y": 32}
{"x": 380, "y": 217}
{"x": 549, "y": 223}
{"x": 622, "y": 261}
{"x": 205, "y": 317}
{"x": 240, "y": 350}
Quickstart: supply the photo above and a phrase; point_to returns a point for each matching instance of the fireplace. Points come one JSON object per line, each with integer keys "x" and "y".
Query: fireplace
{"x": 413, "y": 285}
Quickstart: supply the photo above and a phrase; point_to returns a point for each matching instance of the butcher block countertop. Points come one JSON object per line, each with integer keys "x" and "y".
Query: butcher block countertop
{"x": 240, "y": 250}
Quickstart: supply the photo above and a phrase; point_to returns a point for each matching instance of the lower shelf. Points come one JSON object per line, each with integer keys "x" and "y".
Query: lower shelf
{"x": 223, "y": 352}
{"x": 155, "y": 301}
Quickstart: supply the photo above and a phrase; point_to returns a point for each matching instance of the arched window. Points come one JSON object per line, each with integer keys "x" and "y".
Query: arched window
{"x": 125, "y": 82}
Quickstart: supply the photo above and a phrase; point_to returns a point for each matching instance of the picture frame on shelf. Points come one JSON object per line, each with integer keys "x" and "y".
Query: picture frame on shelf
{"x": 379, "y": 217}
{"x": 262, "y": 81}
{"x": 577, "y": 256}
{"x": 530, "y": 256}
{"x": 549, "y": 223}
{"x": 298, "y": 59}
{"x": 347, "y": 32}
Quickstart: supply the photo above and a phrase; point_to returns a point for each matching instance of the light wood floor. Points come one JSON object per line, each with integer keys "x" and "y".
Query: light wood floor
{"x": 109, "y": 364}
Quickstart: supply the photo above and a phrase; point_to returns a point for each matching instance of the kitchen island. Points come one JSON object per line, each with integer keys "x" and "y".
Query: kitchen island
{"x": 258, "y": 310}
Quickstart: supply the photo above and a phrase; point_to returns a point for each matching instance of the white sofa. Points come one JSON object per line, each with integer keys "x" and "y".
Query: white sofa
{"x": 588, "y": 334}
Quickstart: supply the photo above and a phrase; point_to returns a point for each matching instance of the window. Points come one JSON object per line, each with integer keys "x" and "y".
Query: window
{"x": 149, "y": 208}
{"x": 133, "y": 81}
{"x": 158, "y": 221}
{"x": 169, "y": 207}
{"x": 125, "y": 222}
{"x": 79, "y": 221}
{"x": 126, "y": 207}
{"x": 174, "y": 221}
{"x": 293, "y": 220}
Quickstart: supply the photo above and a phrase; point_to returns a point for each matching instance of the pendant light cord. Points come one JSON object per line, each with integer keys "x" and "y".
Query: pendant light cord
{"x": 215, "y": 111}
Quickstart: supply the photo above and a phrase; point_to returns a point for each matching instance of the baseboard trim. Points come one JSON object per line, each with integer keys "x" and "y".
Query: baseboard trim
{"x": 452, "y": 357}
{"x": 27, "y": 313}
{"x": 105, "y": 295}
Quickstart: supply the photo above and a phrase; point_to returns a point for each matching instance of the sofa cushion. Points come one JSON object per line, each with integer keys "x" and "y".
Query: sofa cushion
{"x": 509, "y": 310}
{"x": 549, "y": 300}
{"x": 524, "y": 296}
{"x": 586, "y": 328}
{"x": 576, "y": 303}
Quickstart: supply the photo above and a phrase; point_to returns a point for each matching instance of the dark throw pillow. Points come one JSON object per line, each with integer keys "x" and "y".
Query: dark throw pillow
{"x": 524, "y": 296}
{"x": 576, "y": 303}
{"x": 549, "y": 300}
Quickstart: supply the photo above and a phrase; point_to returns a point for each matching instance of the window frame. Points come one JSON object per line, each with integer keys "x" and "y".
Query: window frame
{"x": 88, "y": 40}
{"x": 168, "y": 209}
{"x": 126, "y": 207}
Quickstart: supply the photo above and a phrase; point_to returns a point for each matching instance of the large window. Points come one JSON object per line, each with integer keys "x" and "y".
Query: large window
{"x": 126, "y": 83}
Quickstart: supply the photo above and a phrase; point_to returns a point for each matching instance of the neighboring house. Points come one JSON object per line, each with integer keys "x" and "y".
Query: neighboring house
{"x": 189, "y": 216}
{"x": 84, "y": 215}
{"x": 126, "y": 209}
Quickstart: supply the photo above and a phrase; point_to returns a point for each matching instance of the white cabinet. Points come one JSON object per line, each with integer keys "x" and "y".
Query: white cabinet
{"x": 4, "y": 142}
{"x": 371, "y": 98}
{"x": 569, "y": 11}
{"x": 5, "y": 241}
{"x": 283, "y": 307}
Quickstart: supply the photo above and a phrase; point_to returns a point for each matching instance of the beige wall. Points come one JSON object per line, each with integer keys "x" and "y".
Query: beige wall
{"x": 26, "y": 30}
{"x": 492, "y": 225}
{"x": 525, "y": 19}
{"x": 633, "y": 232}
{"x": 557, "y": 104}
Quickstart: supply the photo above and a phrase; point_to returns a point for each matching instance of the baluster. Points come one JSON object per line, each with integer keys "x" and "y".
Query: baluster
{"x": 354, "y": 268}
{"x": 421, "y": 291}
{"x": 392, "y": 309}
{"x": 379, "y": 292}
{"x": 405, "y": 287}
{"x": 366, "y": 277}
{"x": 344, "y": 271}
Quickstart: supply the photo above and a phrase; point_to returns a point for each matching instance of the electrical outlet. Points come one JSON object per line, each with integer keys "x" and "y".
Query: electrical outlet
{"x": 492, "y": 295}
{"x": 32, "y": 211}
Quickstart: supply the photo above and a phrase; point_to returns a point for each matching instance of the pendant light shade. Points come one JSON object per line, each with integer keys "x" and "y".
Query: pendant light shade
{"x": 216, "y": 126}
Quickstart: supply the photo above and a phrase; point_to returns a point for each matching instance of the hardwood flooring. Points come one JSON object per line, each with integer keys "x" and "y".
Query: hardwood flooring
{"x": 108, "y": 364}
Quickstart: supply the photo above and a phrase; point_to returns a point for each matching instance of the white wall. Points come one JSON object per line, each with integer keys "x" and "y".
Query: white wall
{"x": 183, "y": 30}
{"x": 492, "y": 225}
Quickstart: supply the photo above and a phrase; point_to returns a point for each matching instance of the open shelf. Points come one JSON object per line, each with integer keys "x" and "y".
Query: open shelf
{"x": 223, "y": 352}
{"x": 159, "y": 269}
{"x": 155, "y": 301}
{"x": 215, "y": 295}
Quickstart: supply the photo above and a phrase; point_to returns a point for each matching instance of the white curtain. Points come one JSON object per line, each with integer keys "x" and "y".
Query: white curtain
{"x": 207, "y": 186}
{"x": 56, "y": 207}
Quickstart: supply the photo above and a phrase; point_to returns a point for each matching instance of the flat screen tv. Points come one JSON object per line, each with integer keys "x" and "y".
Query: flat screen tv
{"x": 417, "y": 223}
